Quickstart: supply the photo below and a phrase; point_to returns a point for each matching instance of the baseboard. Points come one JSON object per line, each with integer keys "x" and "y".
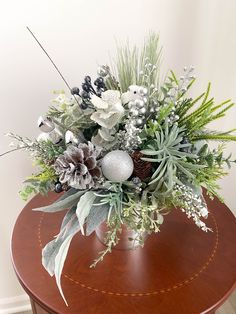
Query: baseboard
{"x": 16, "y": 304}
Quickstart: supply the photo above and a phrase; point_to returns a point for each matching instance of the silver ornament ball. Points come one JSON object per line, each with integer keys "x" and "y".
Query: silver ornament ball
{"x": 142, "y": 110}
{"x": 139, "y": 121}
{"x": 135, "y": 113}
{"x": 103, "y": 70}
{"x": 131, "y": 104}
{"x": 143, "y": 91}
{"x": 45, "y": 124}
{"x": 117, "y": 166}
{"x": 139, "y": 103}
{"x": 145, "y": 100}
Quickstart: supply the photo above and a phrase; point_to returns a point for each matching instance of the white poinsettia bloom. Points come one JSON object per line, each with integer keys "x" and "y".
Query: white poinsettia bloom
{"x": 109, "y": 109}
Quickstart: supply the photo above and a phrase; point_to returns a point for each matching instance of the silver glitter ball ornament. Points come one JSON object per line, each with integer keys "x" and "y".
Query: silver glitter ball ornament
{"x": 117, "y": 166}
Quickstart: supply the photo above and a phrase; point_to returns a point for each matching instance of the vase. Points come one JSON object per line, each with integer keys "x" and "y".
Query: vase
{"x": 128, "y": 239}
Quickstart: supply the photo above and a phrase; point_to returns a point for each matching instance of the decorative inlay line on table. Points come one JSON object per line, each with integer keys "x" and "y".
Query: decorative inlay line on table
{"x": 151, "y": 293}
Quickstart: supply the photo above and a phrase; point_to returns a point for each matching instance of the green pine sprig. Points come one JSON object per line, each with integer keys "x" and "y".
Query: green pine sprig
{"x": 131, "y": 62}
{"x": 195, "y": 120}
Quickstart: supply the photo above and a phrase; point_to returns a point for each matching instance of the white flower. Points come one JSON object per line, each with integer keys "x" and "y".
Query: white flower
{"x": 105, "y": 138}
{"x": 109, "y": 109}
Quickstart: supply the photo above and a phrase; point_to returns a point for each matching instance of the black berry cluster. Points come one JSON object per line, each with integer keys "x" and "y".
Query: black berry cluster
{"x": 88, "y": 90}
{"x": 58, "y": 187}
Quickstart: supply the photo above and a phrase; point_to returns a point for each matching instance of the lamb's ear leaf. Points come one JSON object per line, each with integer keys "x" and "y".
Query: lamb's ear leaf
{"x": 83, "y": 208}
{"x": 59, "y": 262}
{"x": 49, "y": 254}
{"x": 68, "y": 217}
{"x": 97, "y": 215}
{"x": 63, "y": 204}
{"x": 69, "y": 225}
{"x": 70, "y": 192}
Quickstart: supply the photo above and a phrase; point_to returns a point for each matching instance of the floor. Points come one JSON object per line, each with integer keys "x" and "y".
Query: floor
{"x": 229, "y": 307}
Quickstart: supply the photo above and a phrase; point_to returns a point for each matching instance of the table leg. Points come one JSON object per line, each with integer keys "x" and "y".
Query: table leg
{"x": 37, "y": 309}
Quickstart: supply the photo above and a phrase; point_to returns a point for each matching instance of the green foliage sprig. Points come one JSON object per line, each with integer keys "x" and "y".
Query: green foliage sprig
{"x": 43, "y": 151}
{"x": 68, "y": 115}
{"x": 114, "y": 198}
{"x": 112, "y": 238}
{"x": 42, "y": 182}
{"x": 214, "y": 170}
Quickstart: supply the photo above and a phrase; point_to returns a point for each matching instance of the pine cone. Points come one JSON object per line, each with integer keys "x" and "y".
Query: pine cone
{"x": 77, "y": 166}
{"x": 142, "y": 169}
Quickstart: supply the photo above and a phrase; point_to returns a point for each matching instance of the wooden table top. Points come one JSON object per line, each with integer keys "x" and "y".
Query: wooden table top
{"x": 181, "y": 270}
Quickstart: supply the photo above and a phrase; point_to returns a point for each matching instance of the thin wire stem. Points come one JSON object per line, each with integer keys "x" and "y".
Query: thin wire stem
{"x": 12, "y": 150}
{"x": 53, "y": 63}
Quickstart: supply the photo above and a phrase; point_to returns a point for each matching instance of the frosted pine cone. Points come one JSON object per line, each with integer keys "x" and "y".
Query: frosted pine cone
{"x": 142, "y": 169}
{"x": 78, "y": 166}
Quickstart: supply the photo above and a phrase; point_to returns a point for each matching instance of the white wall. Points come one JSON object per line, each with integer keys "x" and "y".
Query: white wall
{"x": 80, "y": 34}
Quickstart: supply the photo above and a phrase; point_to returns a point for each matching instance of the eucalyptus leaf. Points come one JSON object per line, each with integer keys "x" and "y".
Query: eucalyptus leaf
{"x": 62, "y": 204}
{"x": 83, "y": 208}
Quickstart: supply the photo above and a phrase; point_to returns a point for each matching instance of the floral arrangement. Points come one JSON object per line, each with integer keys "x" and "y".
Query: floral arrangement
{"x": 126, "y": 149}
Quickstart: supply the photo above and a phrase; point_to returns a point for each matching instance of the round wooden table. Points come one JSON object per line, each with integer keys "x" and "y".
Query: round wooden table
{"x": 180, "y": 270}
